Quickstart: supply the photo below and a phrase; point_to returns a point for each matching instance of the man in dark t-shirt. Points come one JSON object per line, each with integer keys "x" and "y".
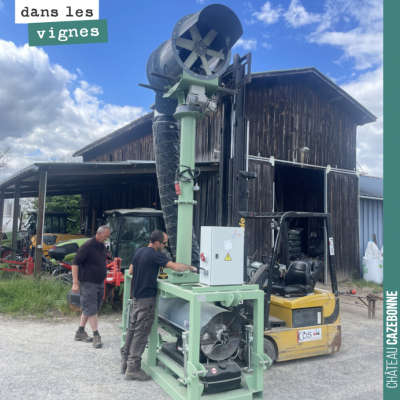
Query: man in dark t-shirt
{"x": 144, "y": 270}
{"x": 89, "y": 269}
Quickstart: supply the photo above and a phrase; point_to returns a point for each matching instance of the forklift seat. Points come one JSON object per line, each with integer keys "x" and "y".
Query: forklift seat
{"x": 300, "y": 279}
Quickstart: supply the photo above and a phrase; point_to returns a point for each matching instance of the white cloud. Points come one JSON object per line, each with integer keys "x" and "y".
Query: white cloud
{"x": 266, "y": 45}
{"x": 42, "y": 111}
{"x": 268, "y": 15}
{"x": 200, "y": 1}
{"x": 1, "y": 5}
{"x": 249, "y": 44}
{"x": 366, "y": 48}
{"x": 95, "y": 89}
{"x": 296, "y": 15}
{"x": 368, "y": 90}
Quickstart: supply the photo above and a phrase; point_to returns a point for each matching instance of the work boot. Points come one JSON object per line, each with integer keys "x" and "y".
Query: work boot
{"x": 134, "y": 372}
{"x": 83, "y": 337}
{"x": 124, "y": 366}
{"x": 97, "y": 341}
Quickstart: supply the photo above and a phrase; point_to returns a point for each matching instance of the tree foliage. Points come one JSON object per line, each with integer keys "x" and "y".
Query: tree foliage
{"x": 4, "y": 159}
{"x": 70, "y": 204}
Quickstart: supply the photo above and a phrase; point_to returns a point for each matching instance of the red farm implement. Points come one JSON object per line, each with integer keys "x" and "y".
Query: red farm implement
{"x": 25, "y": 267}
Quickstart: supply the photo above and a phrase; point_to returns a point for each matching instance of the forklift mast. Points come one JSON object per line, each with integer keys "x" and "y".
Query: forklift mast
{"x": 282, "y": 226}
{"x": 233, "y": 172}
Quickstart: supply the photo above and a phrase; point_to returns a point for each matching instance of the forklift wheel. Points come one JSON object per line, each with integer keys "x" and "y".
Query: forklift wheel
{"x": 269, "y": 349}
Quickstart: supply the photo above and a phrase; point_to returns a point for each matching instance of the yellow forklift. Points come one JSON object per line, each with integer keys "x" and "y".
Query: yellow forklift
{"x": 300, "y": 320}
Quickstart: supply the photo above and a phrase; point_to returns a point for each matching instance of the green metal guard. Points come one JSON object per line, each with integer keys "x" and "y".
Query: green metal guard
{"x": 191, "y": 387}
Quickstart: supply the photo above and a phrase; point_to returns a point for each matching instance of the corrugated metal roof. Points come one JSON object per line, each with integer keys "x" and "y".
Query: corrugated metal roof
{"x": 371, "y": 186}
{"x": 23, "y": 173}
{"x": 79, "y": 177}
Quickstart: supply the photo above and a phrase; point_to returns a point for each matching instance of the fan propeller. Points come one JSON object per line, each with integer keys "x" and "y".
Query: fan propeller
{"x": 199, "y": 48}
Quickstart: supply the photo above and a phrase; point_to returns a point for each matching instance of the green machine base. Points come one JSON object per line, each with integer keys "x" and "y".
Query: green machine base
{"x": 171, "y": 377}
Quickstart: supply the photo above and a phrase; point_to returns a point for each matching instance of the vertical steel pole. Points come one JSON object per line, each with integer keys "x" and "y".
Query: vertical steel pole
{"x": 325, "y": 235}
{"x": 2, "y": 194}
{"x": 40, "y": 221}
{"x": 17, "y": 192}
{"x": 258, "y": 339}
{"x": 185, "y": 205}
{"x": 152, "y": 347}
{"x": 194, "y": 346}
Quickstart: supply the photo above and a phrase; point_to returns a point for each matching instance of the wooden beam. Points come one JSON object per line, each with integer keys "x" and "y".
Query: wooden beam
{"x": 40, "y": 221}
{"x": 15, "y": 222}
{"x": 103, "y": 171}
{"x": 92, "y": 233}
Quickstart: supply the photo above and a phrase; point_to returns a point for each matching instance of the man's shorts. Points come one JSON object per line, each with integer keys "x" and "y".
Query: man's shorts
{"x": 91, "y": 296}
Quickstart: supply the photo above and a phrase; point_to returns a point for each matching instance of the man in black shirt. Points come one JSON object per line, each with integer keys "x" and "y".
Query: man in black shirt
{"x": 89, "y": 269}
{"x": 144, "y": 270}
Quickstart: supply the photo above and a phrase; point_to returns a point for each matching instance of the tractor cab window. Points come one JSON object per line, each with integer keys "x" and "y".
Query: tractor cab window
{"x": 112, "y": 223}
{"x": 63, "y": 224}
{"x": 54, "y": 224}
{"x": 135, "y": 233}
{"x": 51, "y": 224}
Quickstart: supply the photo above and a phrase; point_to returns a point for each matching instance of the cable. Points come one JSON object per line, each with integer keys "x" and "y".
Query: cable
{"x": 194, "y": 173}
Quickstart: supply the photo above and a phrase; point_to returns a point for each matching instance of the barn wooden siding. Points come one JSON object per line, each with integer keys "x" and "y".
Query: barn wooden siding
{"x": 206, "y": 212}
{"x": 143, "y": 192}
{"x": 343, "y": 206}
{"x": 141, "y": 148}
{"x": 287, "y": 114}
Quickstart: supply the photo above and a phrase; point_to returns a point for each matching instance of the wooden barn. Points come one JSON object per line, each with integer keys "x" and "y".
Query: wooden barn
{"x": 301, "y": 131}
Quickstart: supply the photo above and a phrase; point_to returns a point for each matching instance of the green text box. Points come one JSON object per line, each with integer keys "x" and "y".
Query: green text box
{"x": 74, "y": 32}
{"x": 391, "y": 189}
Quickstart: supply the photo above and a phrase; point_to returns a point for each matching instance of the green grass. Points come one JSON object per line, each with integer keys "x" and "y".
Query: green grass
{"x": 362, "y": 283}
{"x": 23, "y": 295}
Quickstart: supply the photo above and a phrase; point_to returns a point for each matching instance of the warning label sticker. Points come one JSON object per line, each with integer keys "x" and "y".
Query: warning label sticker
{"x": 331, "y": 248}
{"x": 309, "y": 334}
{"x": 228, "y": 258}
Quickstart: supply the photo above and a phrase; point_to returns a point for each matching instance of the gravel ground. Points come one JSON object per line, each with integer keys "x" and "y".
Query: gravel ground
{"x": 40, "y": 360}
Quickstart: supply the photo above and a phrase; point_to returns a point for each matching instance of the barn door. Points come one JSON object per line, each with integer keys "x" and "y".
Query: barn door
{"x": 258, "y": 232}
{"x": 342, "y": 204}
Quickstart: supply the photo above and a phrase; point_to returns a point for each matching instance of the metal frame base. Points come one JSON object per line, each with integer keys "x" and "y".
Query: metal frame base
{"x": 189, "y": 386}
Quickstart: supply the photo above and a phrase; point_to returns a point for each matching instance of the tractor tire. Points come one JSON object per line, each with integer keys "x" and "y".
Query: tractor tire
{"x": 269, "y": 349}
{"x": 5, "y": 254}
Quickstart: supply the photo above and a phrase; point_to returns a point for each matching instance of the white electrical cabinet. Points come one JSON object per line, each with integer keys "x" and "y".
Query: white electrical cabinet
{"x": 221, "y": 255}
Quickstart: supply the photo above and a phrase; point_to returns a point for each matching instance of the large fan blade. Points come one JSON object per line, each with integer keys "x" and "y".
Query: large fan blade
{"x": 195, "y": 33}
{"x": 213, "y": 53}
{"x": 230, "y": 323}
{"x": 185, "y": 43}
{"x": 205, "y": 342}
{"x": 191, "y": 59}
{"x": 205, "y": 65}
{"x": 210, "y": 37}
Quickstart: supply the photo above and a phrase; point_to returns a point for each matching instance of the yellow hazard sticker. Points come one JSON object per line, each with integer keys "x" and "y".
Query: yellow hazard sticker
{"x": 228, "y": 258}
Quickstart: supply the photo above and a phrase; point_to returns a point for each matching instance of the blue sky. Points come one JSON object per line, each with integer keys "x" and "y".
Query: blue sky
{"x": 58, "y": 99}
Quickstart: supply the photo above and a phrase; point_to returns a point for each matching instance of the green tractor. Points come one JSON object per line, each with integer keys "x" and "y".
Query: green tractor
{"x": 130, "y": 230}
{"x": 6, "y": 239}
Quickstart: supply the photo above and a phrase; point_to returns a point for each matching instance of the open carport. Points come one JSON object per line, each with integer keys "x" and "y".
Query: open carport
{"x": 91, "y": 178}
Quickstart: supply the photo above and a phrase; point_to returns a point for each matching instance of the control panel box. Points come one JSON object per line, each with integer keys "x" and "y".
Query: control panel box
{"x": 221, "y": 255}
